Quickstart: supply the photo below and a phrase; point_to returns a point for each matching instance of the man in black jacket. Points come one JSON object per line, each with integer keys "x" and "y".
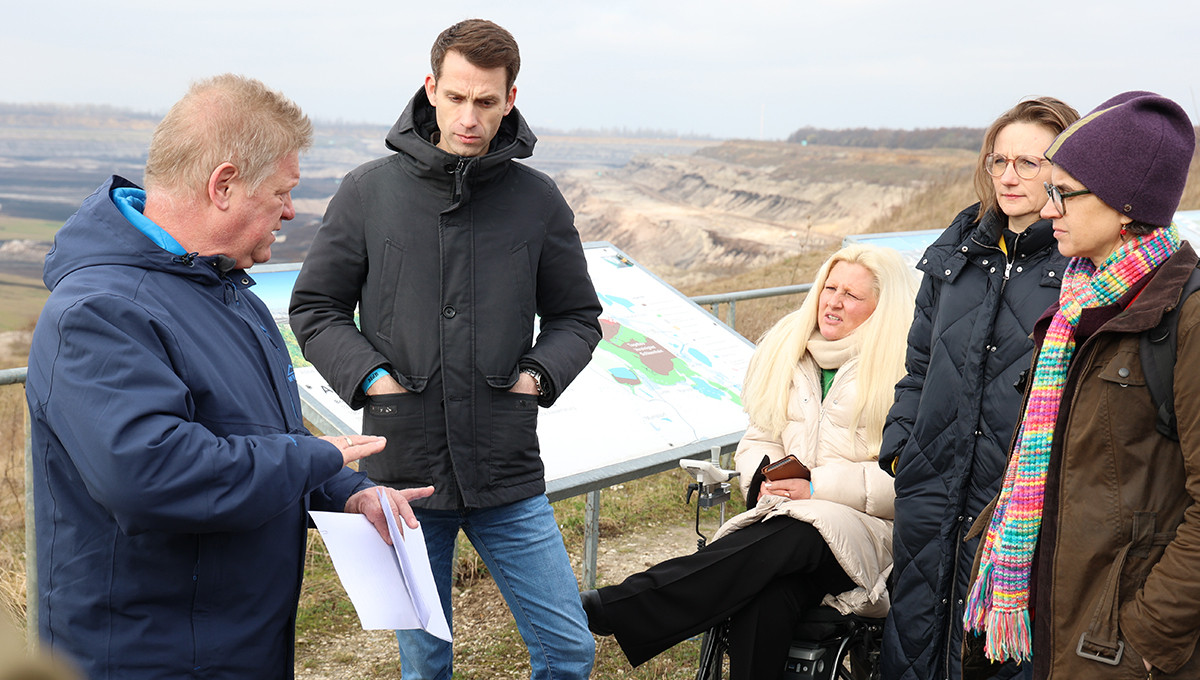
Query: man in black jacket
{"x": 448, "y": 248}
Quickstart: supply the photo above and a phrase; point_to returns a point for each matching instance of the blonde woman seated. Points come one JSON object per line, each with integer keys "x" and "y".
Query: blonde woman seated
{"x": 819, "y": 387}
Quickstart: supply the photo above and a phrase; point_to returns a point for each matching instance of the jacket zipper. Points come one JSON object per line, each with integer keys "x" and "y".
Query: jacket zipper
{"x": 952, "y": 620}
{"x": 1009, "y": 260}
{"x": 196, "y": 603}
{"x": 231, "y": 290}
{"x": 459, "y": 177}
{"x": 459, "y": 172}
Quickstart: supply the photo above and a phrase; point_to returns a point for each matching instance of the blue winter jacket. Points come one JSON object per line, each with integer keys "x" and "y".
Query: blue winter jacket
{"x": 172, "y": 471}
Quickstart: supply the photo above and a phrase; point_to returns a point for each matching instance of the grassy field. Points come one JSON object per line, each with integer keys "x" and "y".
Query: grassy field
{"x": 22, "y": 297}
{"x": 24, "y": 228}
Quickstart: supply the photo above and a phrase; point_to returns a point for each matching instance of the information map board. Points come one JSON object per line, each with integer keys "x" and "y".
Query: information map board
{"x": 664, "y": 383}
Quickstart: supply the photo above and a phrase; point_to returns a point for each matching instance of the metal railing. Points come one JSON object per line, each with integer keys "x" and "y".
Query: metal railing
{"x": 714, "y": 302}
{"x": 13, "y": 376}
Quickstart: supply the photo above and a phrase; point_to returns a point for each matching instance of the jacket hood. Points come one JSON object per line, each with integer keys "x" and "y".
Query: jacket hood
{"x": 98, "y": 234}
{"x": 414, "y": 130}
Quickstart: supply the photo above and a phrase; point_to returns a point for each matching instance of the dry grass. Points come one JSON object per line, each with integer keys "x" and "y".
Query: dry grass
{"x": 1191, "y": 192}
{"x": 12, "y": 506}
{"x": 930, "y": 208}
{"x": 754, "y": 317}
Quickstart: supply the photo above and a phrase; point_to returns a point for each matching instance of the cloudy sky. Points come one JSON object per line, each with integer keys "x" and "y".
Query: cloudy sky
{"x": 724, "y": 68}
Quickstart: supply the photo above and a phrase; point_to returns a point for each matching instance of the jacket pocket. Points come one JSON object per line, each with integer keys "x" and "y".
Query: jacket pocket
{"x": 526, "y": 290}
{"x": 505, "y": 312}
{"x": 385, "y": 302}
{"x": 1124, "y": 369}
{"x": 400, "y": 418}
{"x": 515, "y": 455}
{"x": 1124, "y": 404}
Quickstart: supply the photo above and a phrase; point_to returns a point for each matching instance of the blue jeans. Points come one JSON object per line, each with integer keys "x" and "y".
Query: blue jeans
{"x": 523, "y": 549}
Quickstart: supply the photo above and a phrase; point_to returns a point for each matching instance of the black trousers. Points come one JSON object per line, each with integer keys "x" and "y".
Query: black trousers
{"x": 761, "y": 578}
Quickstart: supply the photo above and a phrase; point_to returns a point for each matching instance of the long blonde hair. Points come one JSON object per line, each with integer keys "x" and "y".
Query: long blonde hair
{"x": 882, "y": 339}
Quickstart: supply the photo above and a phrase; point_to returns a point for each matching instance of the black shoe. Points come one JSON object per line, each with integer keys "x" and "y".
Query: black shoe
{"x": 597, "y": 623}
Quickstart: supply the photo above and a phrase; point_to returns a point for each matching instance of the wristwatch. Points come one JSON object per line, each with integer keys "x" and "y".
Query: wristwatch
{"x": 537, "y": 380}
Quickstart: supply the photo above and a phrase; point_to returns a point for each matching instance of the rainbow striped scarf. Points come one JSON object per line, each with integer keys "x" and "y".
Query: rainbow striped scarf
{"x": 998, "y": 604}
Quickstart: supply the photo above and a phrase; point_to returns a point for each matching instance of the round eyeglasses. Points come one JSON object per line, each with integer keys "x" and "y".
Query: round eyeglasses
{"x": 1057, "y": 197}
{"x": 1026, "y": 167}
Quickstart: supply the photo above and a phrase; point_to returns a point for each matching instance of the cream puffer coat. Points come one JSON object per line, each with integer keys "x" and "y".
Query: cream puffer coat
{"x": 852, "y": 503}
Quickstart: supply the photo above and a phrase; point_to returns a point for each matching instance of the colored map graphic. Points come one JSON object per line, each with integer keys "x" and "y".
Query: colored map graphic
{"x": 665, "y": 374}
{"x": 646, "y": 361}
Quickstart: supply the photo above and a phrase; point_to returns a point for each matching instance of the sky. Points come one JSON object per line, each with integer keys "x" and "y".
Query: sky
{"x": 750, "y": 69}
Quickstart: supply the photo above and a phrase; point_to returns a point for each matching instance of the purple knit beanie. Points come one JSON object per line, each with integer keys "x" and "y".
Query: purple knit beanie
{"x": 1133, "y": 152}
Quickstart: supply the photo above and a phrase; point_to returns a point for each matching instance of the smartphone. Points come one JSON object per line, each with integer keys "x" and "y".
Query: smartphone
{"x": 786, "y": 468}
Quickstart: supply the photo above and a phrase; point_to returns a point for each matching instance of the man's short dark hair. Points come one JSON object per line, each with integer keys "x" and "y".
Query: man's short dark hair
{"x": 482, "y": 43}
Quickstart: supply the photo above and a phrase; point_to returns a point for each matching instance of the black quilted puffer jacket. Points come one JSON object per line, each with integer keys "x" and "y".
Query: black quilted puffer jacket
{"x": 947, "y": 436}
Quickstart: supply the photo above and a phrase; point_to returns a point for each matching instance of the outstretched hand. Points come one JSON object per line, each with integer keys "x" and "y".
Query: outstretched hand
{"x": 366, "y": 503}
{"x": 356, "y": 446}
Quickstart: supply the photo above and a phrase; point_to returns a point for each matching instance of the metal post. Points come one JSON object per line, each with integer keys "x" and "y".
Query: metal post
{"x": 591, "y": 537}
{"x": 31, "y": 580}
{"x": 730, "y": 320}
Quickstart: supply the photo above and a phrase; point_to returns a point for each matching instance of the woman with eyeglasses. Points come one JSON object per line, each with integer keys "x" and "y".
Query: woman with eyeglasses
{"x": 1090, "y": 563}
{"x": 987, "y": 278}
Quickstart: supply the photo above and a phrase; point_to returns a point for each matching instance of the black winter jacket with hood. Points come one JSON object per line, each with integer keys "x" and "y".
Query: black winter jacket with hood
{"x": 448, "y": 258}
{"x": 949, "y": 431}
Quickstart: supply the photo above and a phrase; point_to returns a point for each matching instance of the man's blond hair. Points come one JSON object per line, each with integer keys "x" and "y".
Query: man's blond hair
{"x": 224, "y": 118}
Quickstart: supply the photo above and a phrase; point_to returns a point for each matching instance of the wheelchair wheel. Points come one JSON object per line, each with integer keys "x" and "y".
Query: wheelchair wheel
{"x": 865, "y": 657}
{"x": 714, "y": 653}
{"x": 853, "y": 654}
{"x": 850, "y": 655}
{"x": 859, "y": 658}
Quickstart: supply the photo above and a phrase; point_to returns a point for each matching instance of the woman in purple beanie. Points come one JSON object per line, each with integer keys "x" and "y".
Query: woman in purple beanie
{"x": 1090, "y": 561}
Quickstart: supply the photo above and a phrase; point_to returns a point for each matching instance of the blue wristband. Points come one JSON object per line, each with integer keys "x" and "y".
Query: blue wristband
{"x": 374, "y": 376}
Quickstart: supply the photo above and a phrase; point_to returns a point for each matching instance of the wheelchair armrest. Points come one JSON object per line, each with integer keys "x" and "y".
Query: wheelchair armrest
{"x": 705, "y": 472}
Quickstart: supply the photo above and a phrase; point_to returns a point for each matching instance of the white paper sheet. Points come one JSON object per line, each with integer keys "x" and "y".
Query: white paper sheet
{"x": 390, "y": 586}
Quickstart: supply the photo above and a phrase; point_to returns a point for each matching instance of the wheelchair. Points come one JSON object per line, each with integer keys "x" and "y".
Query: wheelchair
{"x": 826, "y": 644}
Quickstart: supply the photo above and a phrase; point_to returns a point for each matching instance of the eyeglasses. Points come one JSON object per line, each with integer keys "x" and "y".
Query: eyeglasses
{"x": 1027, "y": 167}
{"x": 1057, "y": 196}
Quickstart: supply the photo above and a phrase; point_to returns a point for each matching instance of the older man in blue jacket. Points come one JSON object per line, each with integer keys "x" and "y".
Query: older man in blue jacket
{"x": 172, "y": 470}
